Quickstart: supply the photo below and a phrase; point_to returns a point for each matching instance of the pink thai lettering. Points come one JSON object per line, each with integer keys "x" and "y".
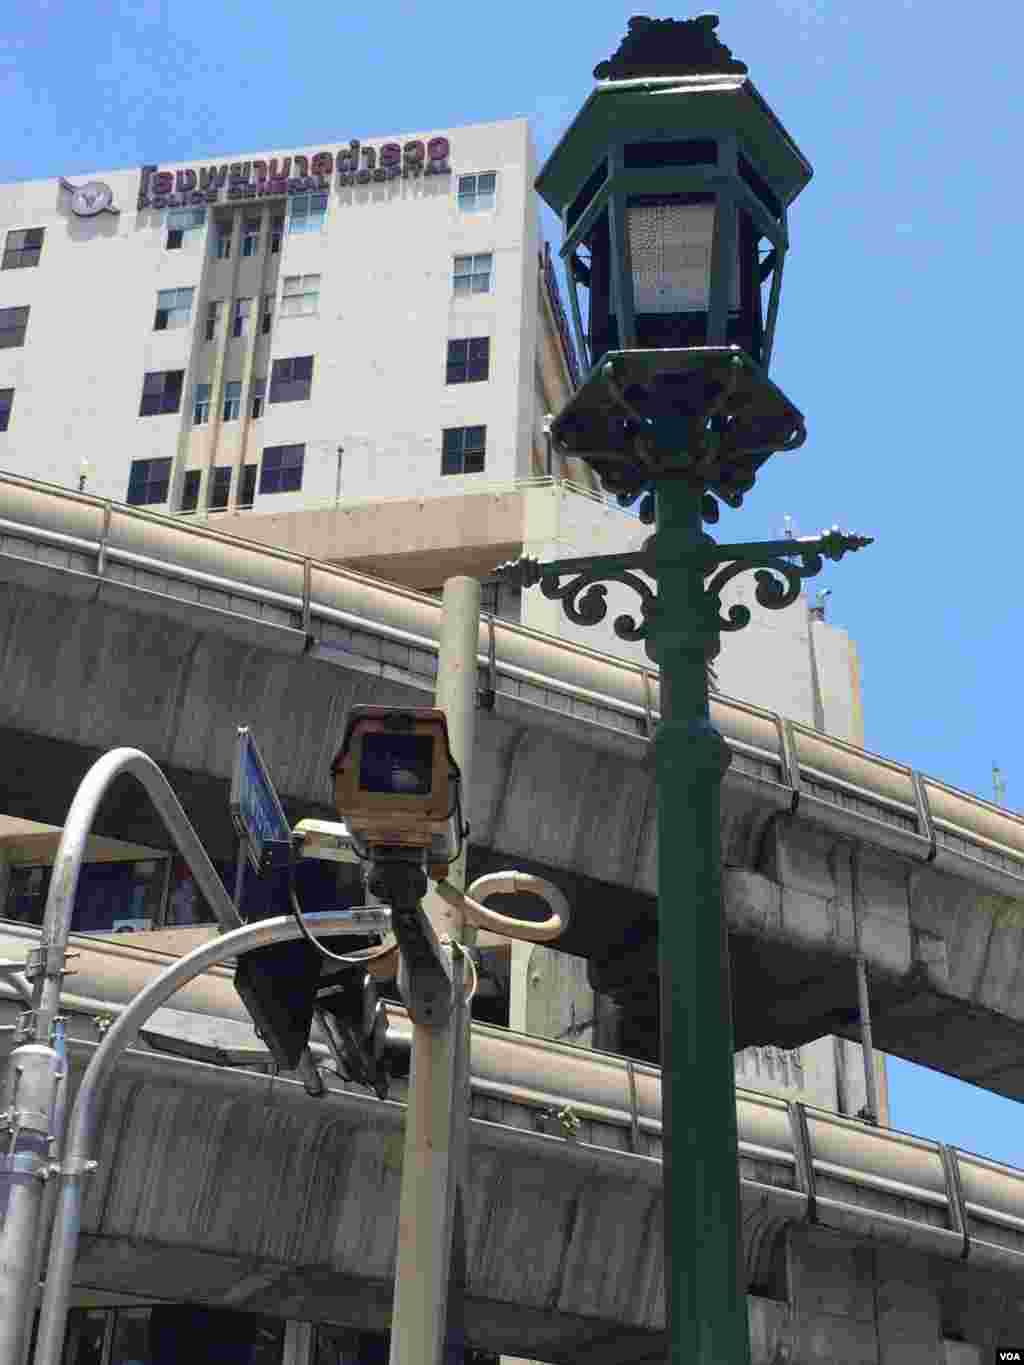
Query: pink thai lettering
{"x": 185, "y": 180}
{"x": 438, "y": 148}
{"x": 273, "y": 173}
{"x": 163, "y": 182}
{"x": 259, "y": 170}
{"x": 390, "y": 154}
{"x": 322, "y": 164}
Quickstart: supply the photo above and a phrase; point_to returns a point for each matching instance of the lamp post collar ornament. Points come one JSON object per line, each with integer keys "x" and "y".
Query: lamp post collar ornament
{"x": 669, "y": 47}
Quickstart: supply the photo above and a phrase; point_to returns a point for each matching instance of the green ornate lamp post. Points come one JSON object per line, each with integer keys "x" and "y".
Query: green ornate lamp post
{"x": 673, "y": 185}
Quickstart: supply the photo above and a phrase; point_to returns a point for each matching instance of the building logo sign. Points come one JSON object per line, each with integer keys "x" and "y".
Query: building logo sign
{"x": 90, "y": 199}
{"x": 352, "y": 165}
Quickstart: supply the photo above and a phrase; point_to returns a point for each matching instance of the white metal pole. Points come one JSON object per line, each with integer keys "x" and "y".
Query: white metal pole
{"x": 436, "y": 1120}
{"x": 80, "y": 1143}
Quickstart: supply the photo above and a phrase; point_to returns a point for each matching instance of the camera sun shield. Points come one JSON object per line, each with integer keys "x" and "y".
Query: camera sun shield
{"x": 395, "y": 781}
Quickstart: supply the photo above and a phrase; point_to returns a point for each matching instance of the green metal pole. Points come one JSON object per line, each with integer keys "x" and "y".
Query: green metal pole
{"x": 705, "y": 1299}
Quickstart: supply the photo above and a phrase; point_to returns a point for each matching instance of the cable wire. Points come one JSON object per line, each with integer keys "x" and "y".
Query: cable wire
{"x": 359, "y": 958}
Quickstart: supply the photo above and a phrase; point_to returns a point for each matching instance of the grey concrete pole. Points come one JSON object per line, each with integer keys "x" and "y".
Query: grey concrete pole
{"x": 436, "y": 1121}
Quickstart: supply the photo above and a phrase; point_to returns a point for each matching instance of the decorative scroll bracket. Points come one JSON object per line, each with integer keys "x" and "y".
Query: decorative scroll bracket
{"x": 779, "y": 580}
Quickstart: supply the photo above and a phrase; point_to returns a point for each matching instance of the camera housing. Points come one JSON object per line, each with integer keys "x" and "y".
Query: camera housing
{"x": 396, "y": 784}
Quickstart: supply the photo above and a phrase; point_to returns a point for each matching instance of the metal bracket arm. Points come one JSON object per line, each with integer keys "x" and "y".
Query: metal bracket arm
{"x": 779, "y": 580}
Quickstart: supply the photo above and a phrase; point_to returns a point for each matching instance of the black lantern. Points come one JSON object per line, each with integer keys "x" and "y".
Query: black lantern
{"x": 673, "y": 184}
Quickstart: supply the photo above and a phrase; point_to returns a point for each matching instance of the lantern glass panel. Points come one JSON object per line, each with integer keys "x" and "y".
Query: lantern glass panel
{"x": 670, "y": 244}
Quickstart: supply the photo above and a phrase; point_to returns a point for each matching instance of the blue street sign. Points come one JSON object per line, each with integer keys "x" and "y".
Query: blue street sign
{"x": 255, "y": 806}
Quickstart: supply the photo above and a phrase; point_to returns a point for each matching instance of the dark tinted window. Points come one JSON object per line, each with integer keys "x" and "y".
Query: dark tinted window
{"x": 282, "y": 469}
{"x": 149, "y": 482}
{"x": 462, "y": 450}
{"x": 161, "y": 392}
{"x": 6, "y": 403}
{"x": 291, "y": 380}
{"x": 13, "y": 322}
{"x": 23, "y": 247}
{"x": 469, "y": 360}
{"x": 220, "y": 488}
{"x": 248, "y": 489}
{"x": 190, "y": 491}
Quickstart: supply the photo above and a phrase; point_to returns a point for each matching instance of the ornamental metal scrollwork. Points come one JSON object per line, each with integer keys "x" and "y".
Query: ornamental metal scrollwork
{"x": 779, "y": 581}
{"x": 591, "y": 607}
{"x": 770, "y": 592}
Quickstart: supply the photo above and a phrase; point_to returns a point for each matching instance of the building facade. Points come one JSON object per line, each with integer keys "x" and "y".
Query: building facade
{"x": 271, "y": 331}
{"x": 349, "y": 352}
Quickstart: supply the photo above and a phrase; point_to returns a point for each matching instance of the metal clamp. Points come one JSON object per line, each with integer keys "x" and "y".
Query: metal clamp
{"x": 74, "y": 1166}
{"x": 25, "y": 1027}
{"x": 29, "y": 1164}
{"x": 45, "y": 960}
{"x": 22, "y": 1120}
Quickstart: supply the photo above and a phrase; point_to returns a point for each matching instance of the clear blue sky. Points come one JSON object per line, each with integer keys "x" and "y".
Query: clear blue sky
{"x": 899, "y": 286}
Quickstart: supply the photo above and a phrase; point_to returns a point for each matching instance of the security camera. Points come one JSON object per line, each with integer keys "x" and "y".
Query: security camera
{"x": 326, "y": 841}
{"x": 397, "y": 786}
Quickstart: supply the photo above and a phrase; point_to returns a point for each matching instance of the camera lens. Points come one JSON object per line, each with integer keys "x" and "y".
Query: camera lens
{"x": 399, "y": 765}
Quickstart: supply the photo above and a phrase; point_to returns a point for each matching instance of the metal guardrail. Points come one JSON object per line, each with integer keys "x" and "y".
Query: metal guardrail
{"x": 74, "y": 544}
{"x": 452, "y": 487}
{"x": 797, "y": 1162}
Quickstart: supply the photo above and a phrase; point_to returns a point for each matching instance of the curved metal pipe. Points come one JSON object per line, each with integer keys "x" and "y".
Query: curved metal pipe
{"x": 510, "y": 884}
{"x": 67, "y": 864}
{"x": 81, "y": 1131}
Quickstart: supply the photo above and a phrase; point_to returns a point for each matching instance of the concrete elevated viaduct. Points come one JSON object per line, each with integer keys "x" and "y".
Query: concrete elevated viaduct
{"x": 119, "y": 626}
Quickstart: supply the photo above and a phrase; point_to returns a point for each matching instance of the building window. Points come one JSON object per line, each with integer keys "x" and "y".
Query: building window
{"x": 301, "y": 295}
{"x": 182, "y": 225}
{"x": 247, "y": 491}
{"x": 282, "y": 469}
{"x": 212, "y": 318}
{"x": 473, "y": 274}
{"x": 476, "y": 191}
{"x": 462, "y": 450}
{"x": 220, "y": 488}
{"x": 23, "y": 247}
{"x": 266, "y": 321}
{"x": 276, "y": 233}
{"x": 190, "y": 491}
{"x": 240, "y": 317}
{"x": 232, "y": 400}
{"x": 173, "y": 309}
{"x": 13, "y": 322}
{"x": 200, "y": 405}
{"x": 148, "y": 482}
{"x": 161, "y": 392}
{"x": 258, "y": 394}
{"x": 250, "y": 236}
{"x": 308, "y": 212}
{"x": 6, "y": 403}
{"x": 469, "y": 361}
{"x": 224, "y": 240}
{"x": 291, "y": 380}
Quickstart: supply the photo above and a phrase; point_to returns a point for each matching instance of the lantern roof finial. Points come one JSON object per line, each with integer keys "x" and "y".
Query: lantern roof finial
{"x": 669, "y": 47}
